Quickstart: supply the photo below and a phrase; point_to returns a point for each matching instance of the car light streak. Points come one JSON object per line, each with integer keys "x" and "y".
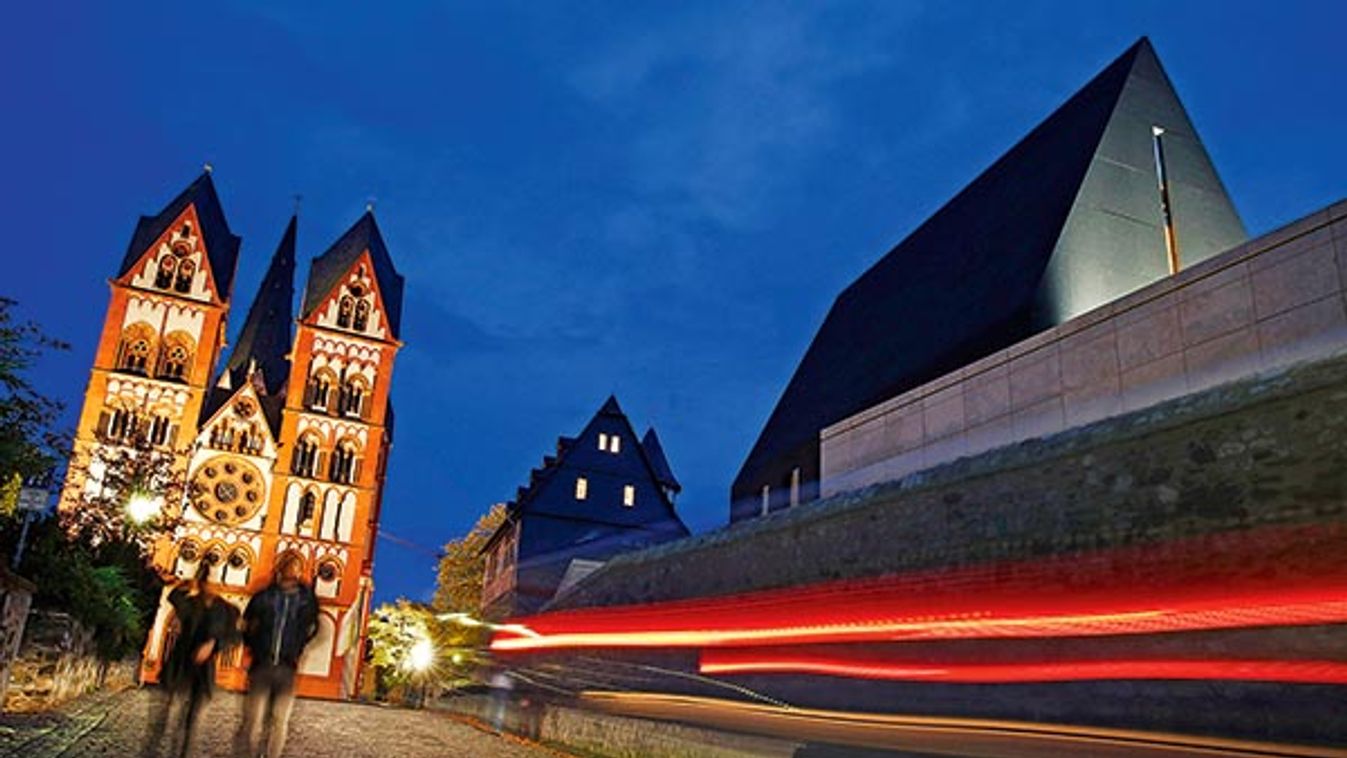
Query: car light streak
{"x": 1199, "y": 584}
{"x": 726, "y": 662}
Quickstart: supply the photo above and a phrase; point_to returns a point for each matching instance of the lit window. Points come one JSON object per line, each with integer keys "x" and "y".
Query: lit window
{"x": 581, "y": 488}
{"x": 766, "y": 498}
{"x": 615, "y": 444}
{"x": 629, "y": 495}
{"x": 603, "y": 441}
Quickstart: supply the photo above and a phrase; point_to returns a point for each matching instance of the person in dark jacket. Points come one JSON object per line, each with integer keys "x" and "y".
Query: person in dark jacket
{"x": 277, "y": 626}
{"x": 187, "y": 678}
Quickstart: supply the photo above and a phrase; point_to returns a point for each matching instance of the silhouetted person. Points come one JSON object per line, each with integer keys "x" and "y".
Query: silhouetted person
{"x": 277, "y": 626}
{"x": 188, "y": 676}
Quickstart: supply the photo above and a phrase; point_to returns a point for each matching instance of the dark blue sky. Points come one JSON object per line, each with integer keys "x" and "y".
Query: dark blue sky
{"x": 654, "y": 200}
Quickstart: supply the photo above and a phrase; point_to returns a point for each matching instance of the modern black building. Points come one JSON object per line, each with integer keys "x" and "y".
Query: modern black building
{"x": 1112, "y": 191}
{"x": 606, "y": 491}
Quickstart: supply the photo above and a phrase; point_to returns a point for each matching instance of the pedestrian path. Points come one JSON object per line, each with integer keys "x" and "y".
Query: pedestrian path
{"x": 107, "y": 725}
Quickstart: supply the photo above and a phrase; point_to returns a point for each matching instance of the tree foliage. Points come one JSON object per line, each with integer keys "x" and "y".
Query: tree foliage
{"x": 114, "y": 475}
{"x": 30, "y": 444}
{"x": 458, "y": 585}
{"x": 108, "y": 589}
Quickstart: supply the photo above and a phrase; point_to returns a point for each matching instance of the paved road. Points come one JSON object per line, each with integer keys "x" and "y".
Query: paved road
{"x": 115, "y": 725}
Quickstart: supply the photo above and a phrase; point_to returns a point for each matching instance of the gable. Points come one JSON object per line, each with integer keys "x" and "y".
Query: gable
{"x": 219, "y": 245}
{"x": 176, "y": 262}
{"x": 241, "y": 421}
{"x": 606, "y": 475}
{"x": 354, "y": 304}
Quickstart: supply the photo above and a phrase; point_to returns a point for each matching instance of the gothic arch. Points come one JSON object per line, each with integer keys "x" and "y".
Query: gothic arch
{"x": 175, "y": 358}
{"x": 135, "y": 351}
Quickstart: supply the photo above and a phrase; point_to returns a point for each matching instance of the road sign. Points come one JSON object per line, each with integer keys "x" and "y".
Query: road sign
{"x": 33, "y": 499}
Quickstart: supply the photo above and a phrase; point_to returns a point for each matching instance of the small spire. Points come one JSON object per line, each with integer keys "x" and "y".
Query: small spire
{"x": 298, "y": 200}
{"x": 369, "y": 203}
{"x": 207, "y": 167}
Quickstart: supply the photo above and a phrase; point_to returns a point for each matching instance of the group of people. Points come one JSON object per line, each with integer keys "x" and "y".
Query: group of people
{"x": 275, "y": 628}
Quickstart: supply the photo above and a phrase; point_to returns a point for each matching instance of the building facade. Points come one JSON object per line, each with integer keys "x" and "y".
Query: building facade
{"x": 283, "y": 448}
{"x": 1113, "y": 191}
{"x": 606, "y": 491}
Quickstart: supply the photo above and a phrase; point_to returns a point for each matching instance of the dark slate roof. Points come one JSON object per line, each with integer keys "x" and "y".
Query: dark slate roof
{"x": 264, "y": 340}
{"x": 655, "y": 452}
{"x": 328, "y": 269}
{"x": 222, "y": 245}
{"x": 963, "y": 281}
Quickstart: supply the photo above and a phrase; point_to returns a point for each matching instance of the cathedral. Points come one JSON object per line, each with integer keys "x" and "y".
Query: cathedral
{"x": 283, "y": 444}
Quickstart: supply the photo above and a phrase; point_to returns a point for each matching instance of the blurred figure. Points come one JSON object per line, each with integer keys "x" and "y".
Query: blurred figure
{"x": 188, "y": 676}
{"x": 501, "y": 684}
{"x": 277, "y": 626}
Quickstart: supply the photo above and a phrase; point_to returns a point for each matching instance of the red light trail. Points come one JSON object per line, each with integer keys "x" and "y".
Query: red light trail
{"x": 769, "y": 661}
{"x": 1215, "y": 582}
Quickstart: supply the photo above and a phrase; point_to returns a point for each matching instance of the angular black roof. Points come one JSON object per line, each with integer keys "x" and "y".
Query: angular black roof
{"x": 222, "y": 245}
{"x": 264, "y": 340}
{"x": 999, "y": 261}
{"x": 327, "y": 270}
{"x": 655, "y": 452}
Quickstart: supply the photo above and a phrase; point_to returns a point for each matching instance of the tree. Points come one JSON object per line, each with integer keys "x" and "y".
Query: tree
{"x": 131, "y": 493}
{"x": 29, "y": 442}
{"x": 458, "y": 585}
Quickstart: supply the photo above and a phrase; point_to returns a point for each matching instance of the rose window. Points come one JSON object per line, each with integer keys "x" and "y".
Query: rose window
{"x": 227, "y": 491}
{"x": 328, "y": 571}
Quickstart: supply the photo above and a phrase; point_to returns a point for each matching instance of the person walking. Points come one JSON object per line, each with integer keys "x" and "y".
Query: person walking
{"x": 277, "y": 625}
{"x": 188, "y": 676}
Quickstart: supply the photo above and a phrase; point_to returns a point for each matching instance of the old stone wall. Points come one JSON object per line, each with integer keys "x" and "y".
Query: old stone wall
{"x": 1262, "y": 305}
{"x": 58, "y": 662}
{"x": 16, "y": 595}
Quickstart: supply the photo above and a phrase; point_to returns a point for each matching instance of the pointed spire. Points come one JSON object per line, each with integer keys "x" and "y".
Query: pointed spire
{"x": 610, "y": 407}
{"x": 655, "y": 452}
{"x": 328, "y": 269}
{"x": 222, "y": 245}
{"x": 264, "y": 340}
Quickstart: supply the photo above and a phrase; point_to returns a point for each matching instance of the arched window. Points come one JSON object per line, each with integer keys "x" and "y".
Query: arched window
{"x": 308, "y": 506}
{"x": 176, "y": 359}
{"x": 320, "y": 390}
{"x": 163, "y": 278}
{"x": 344, "y": 469}
{"x": 133, "y": 354}
{"x": 344, "y": 309}
{"x": 353, "y": 397}
{"x": 184, "y": 281}
{"x": 361, "y": 316}
{"x": 305, "y": 459}
{"x": 160, "y": 428}
{"x": 118, "y": 424}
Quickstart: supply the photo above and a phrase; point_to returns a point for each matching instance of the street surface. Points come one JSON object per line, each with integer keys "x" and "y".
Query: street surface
{"x": 115, "y": 725}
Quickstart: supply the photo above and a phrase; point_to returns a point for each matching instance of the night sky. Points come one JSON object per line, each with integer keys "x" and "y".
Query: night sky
{"x": 592, "y": 198}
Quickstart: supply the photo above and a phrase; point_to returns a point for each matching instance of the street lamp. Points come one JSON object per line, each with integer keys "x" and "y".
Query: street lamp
{"x": 142, "y": 508}
{"x": 421, "y": 656}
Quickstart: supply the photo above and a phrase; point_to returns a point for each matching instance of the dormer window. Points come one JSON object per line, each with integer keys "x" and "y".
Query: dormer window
{"x": 581, "y": 488}
{"x": 628, "y": 495}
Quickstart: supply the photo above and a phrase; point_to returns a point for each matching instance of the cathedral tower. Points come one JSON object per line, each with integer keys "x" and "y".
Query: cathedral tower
{"x": 161, "y": 336}
{"x": 284, "y": 452}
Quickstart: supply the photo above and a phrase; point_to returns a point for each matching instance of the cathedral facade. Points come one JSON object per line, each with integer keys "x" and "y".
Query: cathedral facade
{"x": 283, "y": 445}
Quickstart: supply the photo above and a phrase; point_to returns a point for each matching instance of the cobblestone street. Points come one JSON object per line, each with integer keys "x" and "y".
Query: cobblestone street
{"x": 115, "y": 725}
